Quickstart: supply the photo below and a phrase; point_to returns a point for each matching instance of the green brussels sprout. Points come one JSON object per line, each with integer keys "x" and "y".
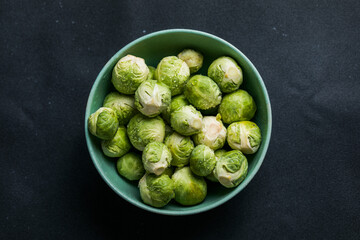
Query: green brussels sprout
{"x": 122, "y": 104}
{"x": 176, "y": 103}
{"x": 180, "y": 148}
{"x": 202, "y": 160}
{"x": 212, "y": 133}
{"x": 168, "y": 130}
{"x": 202, "y": 92}
{"x": 130, "y": 166}
{"x": 231, "y": 169}
{"x": 156, "y": 157}
{"x": 211, "y": 177}
{"x": 128, "y": 73}
{"x": 156, "y": 191}
{"x": 186, "y": 120}
{"x": 151, "y": 72}
{"x": 103, "y": 123}
{"x": 237, "y": 106}
{"x": 226, "y": 73}
{"x": 244, "y": 136}
{"x": 190, "y": 189}
{"x": 192, "y": 58}
{"x": 174, "y": 72}
{"x": 118, "y": 145}
{"x": 142, "y": 130}
{"x": 218, "y": 154}
{"x": 169, "y": 171}
{"x": 152, "y": 98}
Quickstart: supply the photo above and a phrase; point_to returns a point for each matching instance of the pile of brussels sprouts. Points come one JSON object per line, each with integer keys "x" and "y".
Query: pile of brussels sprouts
{"x": 169, "y": 126}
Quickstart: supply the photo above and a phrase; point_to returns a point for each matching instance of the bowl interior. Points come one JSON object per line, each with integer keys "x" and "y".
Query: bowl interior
{"x": 153, "y": 48}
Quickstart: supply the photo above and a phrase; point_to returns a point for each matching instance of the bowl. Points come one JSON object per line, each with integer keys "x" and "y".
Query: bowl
{"x": 153, "y": 47}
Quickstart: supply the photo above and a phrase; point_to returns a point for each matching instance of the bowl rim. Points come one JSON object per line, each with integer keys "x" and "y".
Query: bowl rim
{"x": 235, "y": 191}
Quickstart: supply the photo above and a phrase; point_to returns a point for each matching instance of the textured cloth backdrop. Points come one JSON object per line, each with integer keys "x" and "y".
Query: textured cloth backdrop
{"x": 308, "y": 55}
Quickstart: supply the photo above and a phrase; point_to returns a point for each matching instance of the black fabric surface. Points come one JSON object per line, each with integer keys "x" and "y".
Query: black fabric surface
{"x": 308, "y": 55}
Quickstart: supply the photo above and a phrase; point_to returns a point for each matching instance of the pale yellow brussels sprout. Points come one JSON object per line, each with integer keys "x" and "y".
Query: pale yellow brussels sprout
{"x": 237, "y": 106}
{"x": 180, "y": 148}
{"x": 174, "y": 72}
{"x": 103, "y": 123}
{"x": 202, "y": 92}
{"x": 152, "y": 98}
{"x": 244, "y": 136}
{"x": 186, "y": 120}
{"x": 176, "y": 103}
{"x": 218, "y": 154}
{"x": 128, "y": 73}
{"x": 151, "y": 72}
{"x": 190, "y": 189}
{"x": 231, "y": 169}
{"x": 202, "y": 160}
{"x": 122, "y": 104}
{"x": 156, "y": 191}
{"x": 192, "y": 58}
{"x": 156, "y": 157}
{"x": 212, "y": 133}
{"x": 142, "y": 130}
{"x": 226, "y": 73}
{"x": 118, "y": 145}
{"x": 130, "y": 166}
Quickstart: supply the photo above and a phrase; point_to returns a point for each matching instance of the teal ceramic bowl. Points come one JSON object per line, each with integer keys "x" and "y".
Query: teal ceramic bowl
{"x": 153, "y": 47}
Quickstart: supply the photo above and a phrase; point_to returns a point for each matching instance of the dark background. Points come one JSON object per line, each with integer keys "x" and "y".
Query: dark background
{"x": 308, "y": 55}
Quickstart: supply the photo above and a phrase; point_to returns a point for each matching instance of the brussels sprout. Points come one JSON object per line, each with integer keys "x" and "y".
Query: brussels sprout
{"x": 123, "y": 106}
{"x": 168, "y": 130}
{"x": 156, "y": 157}
{"x": 176, "y": 103}
{"x": 202, "y": 160}
{"x": 156, "y": 191}
{"x": 142, "y": 130}
{"x": 226, "y": 73}
{"x": 103, "y": 123}
{"x": 212, "y": 134}
{"x": 180, "y": 148}
{"x": 118, "y": 145}
{"x": 152, "y": 98}
{"x": 169, "y": 171}
{"x": 192, "y": 58}
{"x": 190, "y": 189}
{"x": 186, "y": 120}
{"x": 202, "y": 92}
{"x": 130, "y": 166}
{"x": 231, "y": 168}
{"x": 237, "y": 106}
{"x": 174, "y": 72}
{"x": 218, "y": 154}
{"x": 244, "y": 136}
{"x": 151, "y": 72}
{"x": 128, "y": 73}
{"x": 211, "y": 177}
